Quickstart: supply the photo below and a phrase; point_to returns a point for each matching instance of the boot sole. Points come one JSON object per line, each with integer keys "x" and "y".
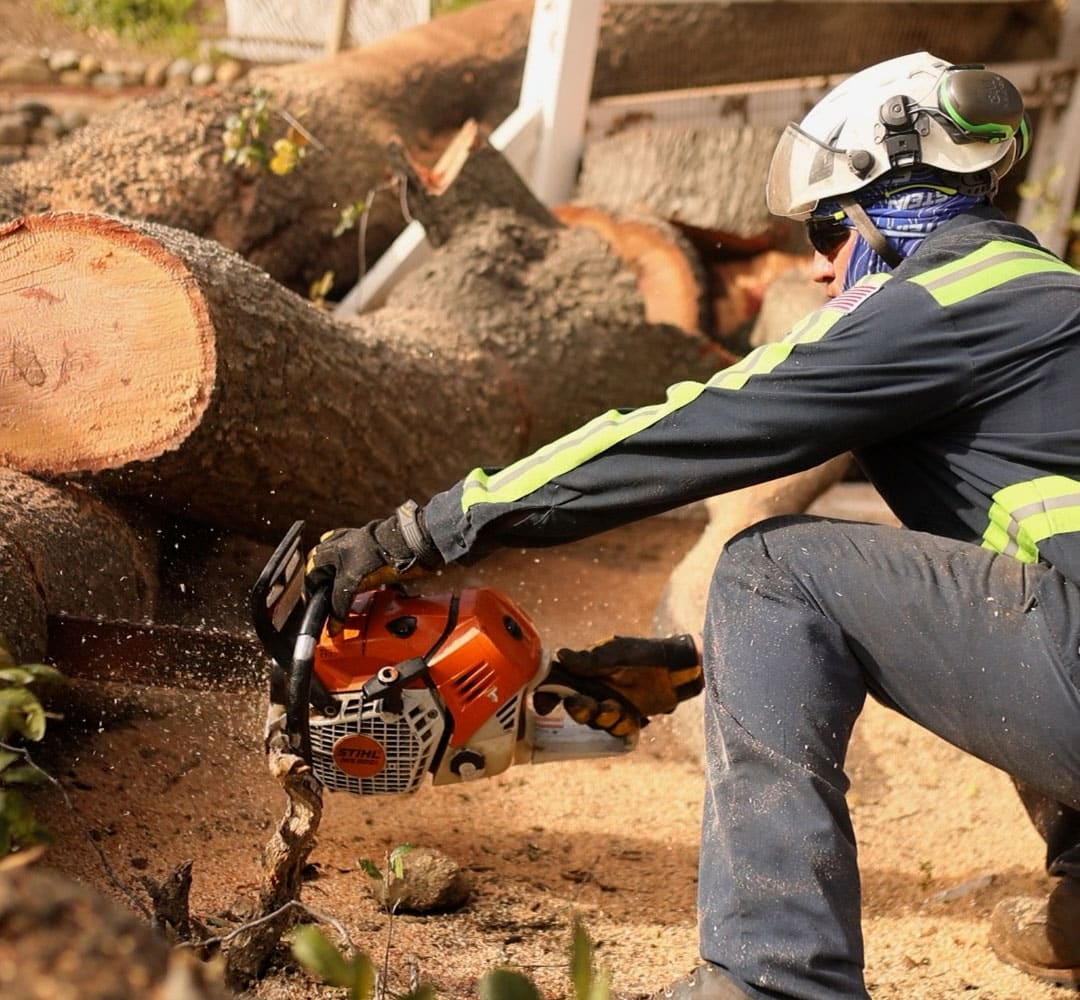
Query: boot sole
{"x": 1058, "y": 977}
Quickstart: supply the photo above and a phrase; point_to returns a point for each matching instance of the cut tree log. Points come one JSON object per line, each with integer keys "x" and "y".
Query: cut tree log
{"x": 669, "y": 271}
{"x": 472, "y": 177}
{"x": 159, "y": 159}
{"x": 176, "y": 372}
{"x": 665, "y": 46}
{"x": 64, "y": 550}
{"x": 60, "y": 938}
{"x": 708, "y": 178}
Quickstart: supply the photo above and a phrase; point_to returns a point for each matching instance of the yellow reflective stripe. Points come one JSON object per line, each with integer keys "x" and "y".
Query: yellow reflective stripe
{"x": 769, "y": 356}
{"x": 1024, "y": 514}
{"x": 570, "y": 451}
{"x": 609, "y": 429}
{"x": 988, "y": 267}
{"x": 760, "y": 361}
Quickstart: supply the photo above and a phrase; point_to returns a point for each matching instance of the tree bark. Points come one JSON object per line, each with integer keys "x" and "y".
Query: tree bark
{"x": 705, "y": 177}
{"x": 63, "y": 550}
{"x": 194, "y": 381}
{"x": 669, "y": 272}
{"x": 160, "y": 159}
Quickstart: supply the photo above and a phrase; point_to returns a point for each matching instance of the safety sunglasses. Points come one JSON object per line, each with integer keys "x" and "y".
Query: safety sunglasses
{"x": 826, "y": 235}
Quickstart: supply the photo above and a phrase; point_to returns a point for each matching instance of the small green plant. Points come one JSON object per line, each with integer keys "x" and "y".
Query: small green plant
{"x": 395, "y": 864}
{"x": 249, "y": 143}
{"x": 140, "y": 21}
{"x": 356, "y": 973}
{"x": 321, "y": 958}
{"x": 22, "y": 717}
{"x": 926, "y": 870}
{"x": 350, "y": 217}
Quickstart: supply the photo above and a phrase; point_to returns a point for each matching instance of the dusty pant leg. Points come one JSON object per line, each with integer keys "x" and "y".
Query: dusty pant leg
{"x": 804, "y": 617}
{"x": 778, "y": 894}
{"x": 1058, "y": 825}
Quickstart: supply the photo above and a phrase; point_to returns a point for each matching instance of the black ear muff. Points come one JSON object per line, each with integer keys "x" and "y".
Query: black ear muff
{"x": 981, "y": 104}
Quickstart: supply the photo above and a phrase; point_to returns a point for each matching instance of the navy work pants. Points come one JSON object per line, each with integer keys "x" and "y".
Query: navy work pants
{"x": 805, "y": 617}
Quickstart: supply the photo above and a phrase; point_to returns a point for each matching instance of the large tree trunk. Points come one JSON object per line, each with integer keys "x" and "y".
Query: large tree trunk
{"x": 216, "y": 393}
{"x": 63, "y": 550}
{"x": 160, "y": 159}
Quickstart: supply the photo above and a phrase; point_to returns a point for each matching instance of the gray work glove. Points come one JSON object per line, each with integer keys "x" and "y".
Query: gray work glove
{"x": 622, "y": 681}
{"x": 355, "y": 559}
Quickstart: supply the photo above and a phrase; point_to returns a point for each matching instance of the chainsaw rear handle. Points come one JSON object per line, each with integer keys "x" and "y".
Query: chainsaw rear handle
{"x": 560, "y": 683}
{"x": 298, "y": 679}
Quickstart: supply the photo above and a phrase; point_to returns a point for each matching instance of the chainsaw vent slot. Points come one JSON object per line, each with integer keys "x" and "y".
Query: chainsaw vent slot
{"x": 409, "y": 742}
{"x": 507, "y": 716}
{"x": 475, "y": 682}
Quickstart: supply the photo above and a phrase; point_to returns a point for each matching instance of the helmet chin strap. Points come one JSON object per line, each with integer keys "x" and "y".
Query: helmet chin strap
{"x": 868, "y": 230}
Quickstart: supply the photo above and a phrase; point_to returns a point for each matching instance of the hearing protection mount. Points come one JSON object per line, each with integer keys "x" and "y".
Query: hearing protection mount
{"x": 974, "y": 105}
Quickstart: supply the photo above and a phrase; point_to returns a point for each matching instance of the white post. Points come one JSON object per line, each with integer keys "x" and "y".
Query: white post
{"x": 558, "y": 81}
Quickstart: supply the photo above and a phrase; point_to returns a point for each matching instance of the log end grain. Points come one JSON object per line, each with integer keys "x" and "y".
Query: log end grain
{"x": 106, "y": 348}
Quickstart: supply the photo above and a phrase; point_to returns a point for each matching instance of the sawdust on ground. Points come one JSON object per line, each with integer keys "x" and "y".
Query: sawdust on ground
{"x": 155, "y": 776}
{"x": 158, "y": 776}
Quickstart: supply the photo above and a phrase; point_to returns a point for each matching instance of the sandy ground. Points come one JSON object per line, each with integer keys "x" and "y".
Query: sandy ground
{"x": 157, "y": 776}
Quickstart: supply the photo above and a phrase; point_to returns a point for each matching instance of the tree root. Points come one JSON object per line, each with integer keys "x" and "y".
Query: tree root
{"x": 283, "y": 857}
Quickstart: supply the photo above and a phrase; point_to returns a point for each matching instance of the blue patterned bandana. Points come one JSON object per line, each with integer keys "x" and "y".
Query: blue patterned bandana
{"x": 906, "y": 207}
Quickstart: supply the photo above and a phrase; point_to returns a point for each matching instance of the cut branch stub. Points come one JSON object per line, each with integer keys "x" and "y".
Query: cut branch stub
{"x": 103, "y": 317}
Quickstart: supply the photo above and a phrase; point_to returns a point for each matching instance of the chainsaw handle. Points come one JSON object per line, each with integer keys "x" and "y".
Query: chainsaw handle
{"x": 298, "y": 682}
{"x": 562, "y": 682}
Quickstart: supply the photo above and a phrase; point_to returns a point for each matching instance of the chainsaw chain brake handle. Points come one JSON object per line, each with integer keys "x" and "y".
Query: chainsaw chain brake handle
{"x": 387, "y": 683}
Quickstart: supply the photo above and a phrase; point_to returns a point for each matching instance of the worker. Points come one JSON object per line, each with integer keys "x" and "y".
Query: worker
{"x": 947, "y": 360}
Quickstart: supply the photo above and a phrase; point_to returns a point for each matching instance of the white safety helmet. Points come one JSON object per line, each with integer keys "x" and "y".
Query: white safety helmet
{"x": 915, "y": 109}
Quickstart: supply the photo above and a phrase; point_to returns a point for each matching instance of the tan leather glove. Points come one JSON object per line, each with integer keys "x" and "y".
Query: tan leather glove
{"x": 622, "y": 681}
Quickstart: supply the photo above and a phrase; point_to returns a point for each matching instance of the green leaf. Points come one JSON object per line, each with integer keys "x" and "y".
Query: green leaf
{"x": 503, "y": 984}
{"x": 23, "y": 774}
{"x": 397, "y": 859}
{"x": 369, "y": 866}
{"x": 318, "y": 955}
{"x": 30, "y": 673}
{"x": 581, "y": 953}
{"x": 17, "y": 823}
{"x": 21, "y": 712}
{"x": 16, "y": 675}
{"x": 8, "y": 757}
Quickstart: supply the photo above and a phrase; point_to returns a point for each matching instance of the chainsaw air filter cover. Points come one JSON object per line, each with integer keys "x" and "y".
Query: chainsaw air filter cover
{"x": 425, "y": 684}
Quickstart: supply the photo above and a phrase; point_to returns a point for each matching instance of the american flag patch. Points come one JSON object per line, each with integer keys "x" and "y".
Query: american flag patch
{"x": 852, "y": 297}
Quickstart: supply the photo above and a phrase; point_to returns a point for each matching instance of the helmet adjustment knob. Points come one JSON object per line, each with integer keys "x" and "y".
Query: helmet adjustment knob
{"x": 860, "y": 161}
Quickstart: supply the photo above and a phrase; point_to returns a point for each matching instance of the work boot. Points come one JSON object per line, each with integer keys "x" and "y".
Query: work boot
{"x": 706, "y": 982}
{"x": 1041, "y": 936}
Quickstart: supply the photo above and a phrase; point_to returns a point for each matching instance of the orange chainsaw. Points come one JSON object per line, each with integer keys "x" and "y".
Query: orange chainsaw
{"x": 413, "y": 684}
